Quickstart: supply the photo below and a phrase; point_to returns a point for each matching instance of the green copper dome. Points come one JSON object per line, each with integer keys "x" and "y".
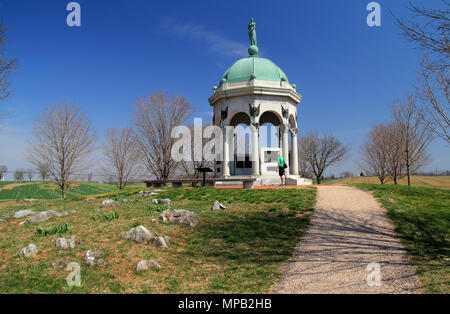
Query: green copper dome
{"x": 253, "y": 68}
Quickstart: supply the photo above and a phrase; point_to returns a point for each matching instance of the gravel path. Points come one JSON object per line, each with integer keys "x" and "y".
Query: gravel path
{"x": 348, "y": 231}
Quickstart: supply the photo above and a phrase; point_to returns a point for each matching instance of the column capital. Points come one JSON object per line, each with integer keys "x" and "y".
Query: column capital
{"x": 255, "y": 125}
{"x": 293, "y": 131}
{"x": 284, "y": 128}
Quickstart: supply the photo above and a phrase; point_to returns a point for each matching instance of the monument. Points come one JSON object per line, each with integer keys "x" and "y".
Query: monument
{"x": 254, "y": 92}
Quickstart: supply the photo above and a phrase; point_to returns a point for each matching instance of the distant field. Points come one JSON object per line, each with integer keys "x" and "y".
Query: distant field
{"x": 49, "y": 190}
{"x": 440, "y": 182}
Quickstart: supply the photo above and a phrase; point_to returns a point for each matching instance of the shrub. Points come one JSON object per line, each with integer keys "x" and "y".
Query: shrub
{"x": 106, "y": 217}
{"x": 46, "y": 231}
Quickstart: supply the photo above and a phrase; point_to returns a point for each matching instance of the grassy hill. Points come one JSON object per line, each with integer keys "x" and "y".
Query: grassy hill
{"x": 238, "y": 250}
{"x": 439, "y": 182}
{"x": 49, "y": 190}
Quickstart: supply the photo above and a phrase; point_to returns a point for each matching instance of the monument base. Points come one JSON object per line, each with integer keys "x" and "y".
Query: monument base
{"x": 267, "y": 180}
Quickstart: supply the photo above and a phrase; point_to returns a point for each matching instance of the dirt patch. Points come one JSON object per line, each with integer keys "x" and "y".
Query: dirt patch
{"x": 13, "y": 185}
{"x": 53, "y": 186}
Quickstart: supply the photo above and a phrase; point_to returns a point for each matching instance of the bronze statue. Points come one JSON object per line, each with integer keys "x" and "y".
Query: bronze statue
{"x": 252, "y": 32}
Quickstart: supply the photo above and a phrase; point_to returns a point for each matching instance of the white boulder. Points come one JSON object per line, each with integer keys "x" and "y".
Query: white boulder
{"x": 139, "y": 234}
{"x": 29, "y": 251}
{"x": 147, "y": 264}
{"x": 23, "y": 213}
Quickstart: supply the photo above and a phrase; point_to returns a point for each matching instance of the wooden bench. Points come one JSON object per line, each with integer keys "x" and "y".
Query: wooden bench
{"x": 247, "y": 183}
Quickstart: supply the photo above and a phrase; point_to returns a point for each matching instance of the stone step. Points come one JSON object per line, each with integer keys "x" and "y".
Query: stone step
{"x": 293, "y": 180}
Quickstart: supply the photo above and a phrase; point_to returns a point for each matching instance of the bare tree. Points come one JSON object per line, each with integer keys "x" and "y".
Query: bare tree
{"x": 121, "y": 156}
{"x": 90, "y": 175}
{"x": 303, "y": 168}
{"x": 415, "y": 135}
{"x": 320, "y": 152}
{"x": 3, "y": 172}
{"x": 374, "y": 152}
{"x": 395, "y": 153}
{"x": 430, "y": 30}
{"x": 7, "y": 66}
{"x": 433, "y": 91}
{"x": 19, "y": 174}
{"x": 29, "y": 173}
{"x": 43, "y": 170}
{"x": 189, "y": 167}
{"x": 63, "y": 139}
{"x": 154, "y": 119}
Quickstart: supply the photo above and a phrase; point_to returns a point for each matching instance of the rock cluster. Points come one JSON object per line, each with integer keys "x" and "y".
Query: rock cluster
{"x": 65, "y": 244}
{"x": 161, "y": 242}
{"x": 46, "y": 215}
{"x": 180, "y": 216}
{"x": 147, "y": 193}
{"x": 109, "y": 203}
{"x": 92, "y": 258}
{"x": 23, "y": 213}
{"x": 218, "y": 206}
{"x": 139, "y": 234}
{"x": 29, "y": 251}
{"x": 164, "y": 201}
{"x": 147, "y": 264}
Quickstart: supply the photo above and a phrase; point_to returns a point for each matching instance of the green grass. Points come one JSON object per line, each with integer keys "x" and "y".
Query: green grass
{"x": 422, "y": 219}
{"x": 239, "y": 250}
{"x": 49, "y": 190}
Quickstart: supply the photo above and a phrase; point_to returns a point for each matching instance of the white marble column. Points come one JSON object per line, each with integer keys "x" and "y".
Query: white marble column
{"x": 294, "y": 161}
{"x": 226, "y": 153}
{"x": 284, "y": 128}
{"x": 255, "y": 150}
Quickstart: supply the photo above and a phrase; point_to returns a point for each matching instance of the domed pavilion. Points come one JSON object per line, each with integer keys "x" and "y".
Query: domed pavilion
{"x": 254, "y": 92}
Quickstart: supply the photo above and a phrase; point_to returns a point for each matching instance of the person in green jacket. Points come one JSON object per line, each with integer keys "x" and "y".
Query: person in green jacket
{"x": 281, "y": 168}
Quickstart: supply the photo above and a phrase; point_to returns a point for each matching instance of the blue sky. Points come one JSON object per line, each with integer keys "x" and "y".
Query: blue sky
{"x": 346, "y": 71}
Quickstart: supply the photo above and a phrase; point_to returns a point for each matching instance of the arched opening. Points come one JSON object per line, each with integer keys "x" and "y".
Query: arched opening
{"x": 270, "y": 117}
{"x": 269, "y": 142}
{"x": 240, "y": 118}
{"x": 241, "y": 163}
